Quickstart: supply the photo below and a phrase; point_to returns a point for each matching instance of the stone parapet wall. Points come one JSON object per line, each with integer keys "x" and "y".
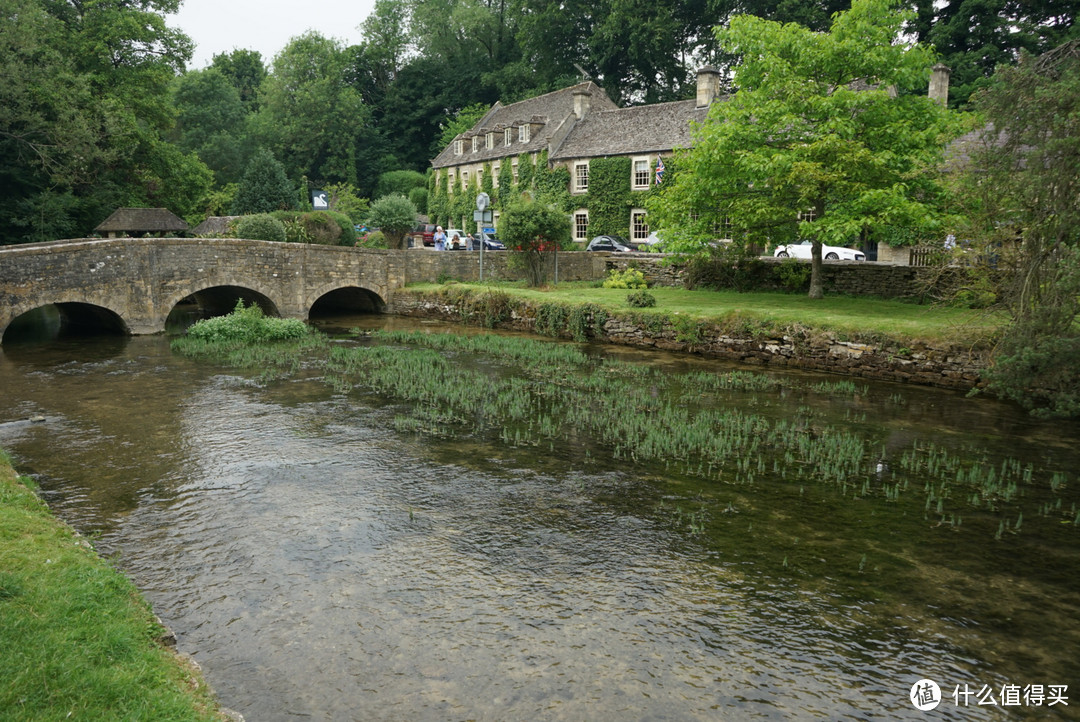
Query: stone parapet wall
{"x": 791, "y": 347}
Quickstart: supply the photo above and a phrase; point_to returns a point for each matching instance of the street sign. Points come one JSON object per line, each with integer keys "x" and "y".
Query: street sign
{"x": 482, "y": 202}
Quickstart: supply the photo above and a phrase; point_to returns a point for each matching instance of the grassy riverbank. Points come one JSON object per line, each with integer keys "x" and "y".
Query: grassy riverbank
{"x": 76, "y": 639}
{"x": 843, "y": 314}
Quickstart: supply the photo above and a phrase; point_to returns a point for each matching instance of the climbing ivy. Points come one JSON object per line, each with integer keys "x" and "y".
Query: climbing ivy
{"x": 488, "y": 184}
{"x": 507, "y": 189}
{"x": 526, "y": 171}
{"x": 610, "y": 199}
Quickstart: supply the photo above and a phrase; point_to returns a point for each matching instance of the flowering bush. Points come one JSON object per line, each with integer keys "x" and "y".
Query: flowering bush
{"x": 630, "y": 278}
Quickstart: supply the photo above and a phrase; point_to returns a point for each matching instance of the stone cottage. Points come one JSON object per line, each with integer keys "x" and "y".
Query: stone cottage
{"x": 578, "y": 129}
{"x": 572, "y": 128}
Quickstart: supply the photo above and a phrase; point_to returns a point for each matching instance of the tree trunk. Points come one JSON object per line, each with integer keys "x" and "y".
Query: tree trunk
{"x": 816, "y": 288}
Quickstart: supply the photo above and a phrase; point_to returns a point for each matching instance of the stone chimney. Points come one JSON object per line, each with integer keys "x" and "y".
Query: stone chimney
{"x": 939, "y": 83}
{"x": 708, "y": 85}
{"x": 582, "y": 102}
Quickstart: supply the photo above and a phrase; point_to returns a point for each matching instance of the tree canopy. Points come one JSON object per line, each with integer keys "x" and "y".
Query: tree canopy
{"x": 822, "y": 139}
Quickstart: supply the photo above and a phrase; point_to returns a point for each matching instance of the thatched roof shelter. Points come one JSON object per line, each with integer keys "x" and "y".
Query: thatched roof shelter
{"x": 135, "y": 222}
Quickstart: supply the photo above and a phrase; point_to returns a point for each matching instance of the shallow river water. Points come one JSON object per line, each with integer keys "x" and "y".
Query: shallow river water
{"x": 320, "y": 565}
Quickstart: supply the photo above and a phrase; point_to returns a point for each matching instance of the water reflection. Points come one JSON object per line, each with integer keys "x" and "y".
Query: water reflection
{"x": 320, "y": 566}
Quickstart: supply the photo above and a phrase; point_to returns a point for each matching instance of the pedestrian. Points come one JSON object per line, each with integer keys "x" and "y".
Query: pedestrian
{"x": 455, "y": 243}
{"x": 470, "y": 241}
{"x": 440, "y": 239}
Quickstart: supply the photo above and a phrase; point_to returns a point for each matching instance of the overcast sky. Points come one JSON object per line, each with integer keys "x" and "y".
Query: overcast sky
{"x": 220, "y": 26}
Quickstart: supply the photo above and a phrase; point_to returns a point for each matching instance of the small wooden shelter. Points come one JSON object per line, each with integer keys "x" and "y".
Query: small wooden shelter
{"x": 138, "y": 222}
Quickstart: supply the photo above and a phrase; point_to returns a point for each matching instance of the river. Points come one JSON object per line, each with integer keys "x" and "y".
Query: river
{"x": 320, "y": 565}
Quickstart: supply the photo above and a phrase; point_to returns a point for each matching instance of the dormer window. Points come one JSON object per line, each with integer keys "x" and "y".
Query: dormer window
{"x": 508, "y": 136}
{"x": 475, "y": 143}
{"x": 523, "y": 133}
{"x": 491, "y": 140}
{"x": 458, "y": 146}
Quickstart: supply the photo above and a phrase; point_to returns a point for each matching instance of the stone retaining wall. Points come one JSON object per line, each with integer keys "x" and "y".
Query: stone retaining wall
{"x": 793, "y": 347}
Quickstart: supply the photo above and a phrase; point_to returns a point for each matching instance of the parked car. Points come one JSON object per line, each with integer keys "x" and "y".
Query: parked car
{"x": 614, "y": 244}
{"x": 423, "y": 234}
{"x": 491, "y": 243}
{"x": 829, "y": 253}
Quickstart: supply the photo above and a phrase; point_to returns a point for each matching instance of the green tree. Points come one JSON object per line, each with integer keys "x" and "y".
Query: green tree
{"x": 534, "y": 232}
{"x": 400, "y": 182}
{"x": 1022, "y": 226}
{"x": 245, "y": 71}
{"x": 211, "y": 122}
{"x": 264, "y": 187}
{"x": 394, "y": 215}
{"x": 84, "y": 104}
{"x": 822, "y": 139}
{"x": 310, "y": 114}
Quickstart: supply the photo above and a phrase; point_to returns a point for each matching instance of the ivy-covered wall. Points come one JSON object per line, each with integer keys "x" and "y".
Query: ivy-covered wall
{"x": 609, "y": 198}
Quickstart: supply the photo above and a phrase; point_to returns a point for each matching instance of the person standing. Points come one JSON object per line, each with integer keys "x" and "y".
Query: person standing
{"x": 439, "y": 238}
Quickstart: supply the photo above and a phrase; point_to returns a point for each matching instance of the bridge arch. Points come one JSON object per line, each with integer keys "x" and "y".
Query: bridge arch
{"x": 186, "y": 307}
{"x": 61, "y": 319}
{"x": 349, "y": 299}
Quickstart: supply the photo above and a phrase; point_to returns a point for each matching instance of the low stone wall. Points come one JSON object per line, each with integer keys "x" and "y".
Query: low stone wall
{"x": 747, "y": 341}
{"x": 885, "y": 280}
{"x": 424, "y": 265}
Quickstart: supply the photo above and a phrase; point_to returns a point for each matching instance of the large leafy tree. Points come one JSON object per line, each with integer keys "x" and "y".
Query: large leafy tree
{"x": 1020, "y": 193}
{"x": 212, "y": 122}
{"x": 245, "y": 71}
{"x": 84, "y": 103}
{"x": 310, "y": 115}
{"x": 822, "y": 139}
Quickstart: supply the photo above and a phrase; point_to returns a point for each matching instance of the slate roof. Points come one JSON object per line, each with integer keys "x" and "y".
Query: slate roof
{"x": 550, "y": 110}
{"x": 142, "y": 220}
{"x": 625, "y": 131}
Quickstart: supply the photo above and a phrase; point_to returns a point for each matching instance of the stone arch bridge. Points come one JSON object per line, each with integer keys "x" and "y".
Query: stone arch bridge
{"x": 131, "y": 285}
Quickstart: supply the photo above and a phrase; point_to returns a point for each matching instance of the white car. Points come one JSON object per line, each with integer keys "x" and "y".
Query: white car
{"x": 462, "y": 239}
{"x": 829, "y": 253}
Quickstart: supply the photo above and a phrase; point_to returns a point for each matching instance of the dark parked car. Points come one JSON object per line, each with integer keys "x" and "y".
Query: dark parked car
{"x": 614, "y": 244}
{"x": 423, "y": 234}
{"x": 491, "y": 243}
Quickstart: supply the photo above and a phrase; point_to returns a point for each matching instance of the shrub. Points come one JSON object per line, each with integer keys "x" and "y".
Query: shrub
{"x": 396, "y": 216}
{"x": 641, "y": 299}
{"x": 630, "y": 278}
{"x": 419, "y": 198}
{"x": 260, "y": 227}
{"x": 248, "y": 325}
{"x": 374, "y": 239}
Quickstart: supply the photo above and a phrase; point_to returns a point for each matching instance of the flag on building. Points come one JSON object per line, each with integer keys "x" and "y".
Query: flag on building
{"x": 659, "y": 170}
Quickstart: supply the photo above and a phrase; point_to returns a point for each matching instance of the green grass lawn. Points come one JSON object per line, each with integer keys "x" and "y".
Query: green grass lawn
{"x": 76, "y": 639}
{"x": 843, "y": 314}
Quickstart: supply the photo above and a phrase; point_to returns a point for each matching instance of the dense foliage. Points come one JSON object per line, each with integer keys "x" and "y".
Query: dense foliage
{"x": 821, "y": 141}
{"x": 1020, "y": 227}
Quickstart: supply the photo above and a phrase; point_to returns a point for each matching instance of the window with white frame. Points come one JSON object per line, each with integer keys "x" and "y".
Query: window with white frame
{"x": 508, "y": 136}
{"x": 639, "y": 229}
{"x": 458, "y": 146}
{"x": 581, "y": 177}
{"x": 581, "y": 225}
{"x": 475, "y": 143}
{"x": 723, "y": 229}
{"x": 464, "y": 180}
{"x": 642, "y": 174}
{"x": 495, "y": 176}
{"x": 479, "y": 179}
{"x": 449, "y": 181}
{"x": 491, "y": 140}
{"x": 514, "y": 169}
{"x": 523, "y": 133}
{"x": 808, "y": 215}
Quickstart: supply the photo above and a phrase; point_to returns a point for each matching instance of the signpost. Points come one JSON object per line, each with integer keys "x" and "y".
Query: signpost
{"x": 482, "y": 215}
